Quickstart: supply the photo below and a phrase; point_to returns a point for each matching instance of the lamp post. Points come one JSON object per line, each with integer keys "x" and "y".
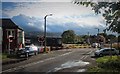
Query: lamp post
{"x": 45, "y": 29}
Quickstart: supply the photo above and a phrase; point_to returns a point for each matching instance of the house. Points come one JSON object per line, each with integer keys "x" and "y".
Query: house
{"x": 13, "y": 36}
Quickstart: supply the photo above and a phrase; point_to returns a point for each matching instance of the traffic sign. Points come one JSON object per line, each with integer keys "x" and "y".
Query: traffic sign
{"x": 10, "y": 38}
{"x": 41, "y": 39}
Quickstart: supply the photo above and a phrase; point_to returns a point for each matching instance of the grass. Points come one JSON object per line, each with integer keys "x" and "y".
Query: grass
{"x": 3, "y": 56}
{"x": 106, "y": 64}
{"x": 105, "y": 59}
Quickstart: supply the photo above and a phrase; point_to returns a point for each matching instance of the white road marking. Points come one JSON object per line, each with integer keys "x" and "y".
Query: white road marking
{"x": 69, "y": 64}
{"x": 30, "y": 64}
{"x": 88, "y": 53}
{"x": 81, "y": 70}
{"x": 72, "y": 64}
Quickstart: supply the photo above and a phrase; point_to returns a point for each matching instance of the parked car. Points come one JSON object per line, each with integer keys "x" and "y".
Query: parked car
{"x": 106, "y": 51}
{"x": 27, "y": 51}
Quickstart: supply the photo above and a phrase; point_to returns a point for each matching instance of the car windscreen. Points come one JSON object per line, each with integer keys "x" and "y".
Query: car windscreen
{"x": 27, "y": 48}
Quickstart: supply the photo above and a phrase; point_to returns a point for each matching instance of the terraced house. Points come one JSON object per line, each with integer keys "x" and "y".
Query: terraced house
{"x": 13, "y": 36}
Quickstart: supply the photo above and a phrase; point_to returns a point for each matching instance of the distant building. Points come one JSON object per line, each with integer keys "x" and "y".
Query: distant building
{"x": 54, "y": 41}
{"x": 50, "y": 41}
{"x": 13, "y": 35}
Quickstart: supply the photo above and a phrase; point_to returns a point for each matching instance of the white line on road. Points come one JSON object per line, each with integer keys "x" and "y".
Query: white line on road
{"x": 87, "y": 55}
{"x": 41, "y": 61}
{"x": 81, "y": 70}
{"x": 30, "y": 64}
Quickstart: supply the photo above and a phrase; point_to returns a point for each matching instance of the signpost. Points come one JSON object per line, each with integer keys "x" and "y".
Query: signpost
{"x": 10, "y": 39}
{"x": 41, "y": 39}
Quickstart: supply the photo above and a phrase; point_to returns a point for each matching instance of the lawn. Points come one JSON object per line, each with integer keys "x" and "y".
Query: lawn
{"x": 106, "y": 64}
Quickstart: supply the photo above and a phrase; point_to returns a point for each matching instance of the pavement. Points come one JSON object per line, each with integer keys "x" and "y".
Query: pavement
{"x": 12, "y": 61}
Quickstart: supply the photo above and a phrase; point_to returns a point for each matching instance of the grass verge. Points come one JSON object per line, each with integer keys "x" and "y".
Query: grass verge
{"x": 106, "y": 64}
{"x": 3, "y": 56}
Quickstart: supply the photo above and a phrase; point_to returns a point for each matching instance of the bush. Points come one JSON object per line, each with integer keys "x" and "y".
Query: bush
{"x": 109, "y": 63}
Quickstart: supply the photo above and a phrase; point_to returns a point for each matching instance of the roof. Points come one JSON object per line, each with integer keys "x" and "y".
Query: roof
{"x": 9, "y": 24}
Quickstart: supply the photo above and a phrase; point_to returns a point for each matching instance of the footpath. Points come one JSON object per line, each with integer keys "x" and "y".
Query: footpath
{"x": 12, "y": 60}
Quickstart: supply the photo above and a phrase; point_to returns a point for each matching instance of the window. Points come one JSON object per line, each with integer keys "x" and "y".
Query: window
{"x": 10, "y": 33}
{"x": 106, "y": 50}
{"x": 112, "y": 49}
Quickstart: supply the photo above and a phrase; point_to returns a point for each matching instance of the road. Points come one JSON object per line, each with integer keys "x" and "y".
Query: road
{"x": 65, "y": 60}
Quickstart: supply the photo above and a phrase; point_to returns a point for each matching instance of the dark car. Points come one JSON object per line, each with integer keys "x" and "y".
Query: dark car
{"x": 27, "y": 51}
{"x": 106, "y": 51}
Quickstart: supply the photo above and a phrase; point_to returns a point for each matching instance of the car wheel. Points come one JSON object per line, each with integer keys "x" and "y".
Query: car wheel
{"x": 35, "y": 53}
{"x": 27, "y": 55}
{"x": 100, "y": 54}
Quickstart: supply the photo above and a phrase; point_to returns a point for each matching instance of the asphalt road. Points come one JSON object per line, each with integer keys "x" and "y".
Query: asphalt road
{"x": 65, "y": 60}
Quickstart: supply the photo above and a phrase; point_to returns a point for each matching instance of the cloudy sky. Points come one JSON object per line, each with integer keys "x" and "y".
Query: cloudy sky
{"x": 66, "y": 15}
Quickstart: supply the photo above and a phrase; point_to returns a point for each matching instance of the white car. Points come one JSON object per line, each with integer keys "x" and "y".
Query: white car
{"x": 95, "y": 45}
{"x": 27, "y": 51}
{"x": 106, "y": 51}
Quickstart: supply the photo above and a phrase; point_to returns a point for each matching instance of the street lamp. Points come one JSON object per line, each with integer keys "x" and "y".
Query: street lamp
{"x": 45, "y": 29}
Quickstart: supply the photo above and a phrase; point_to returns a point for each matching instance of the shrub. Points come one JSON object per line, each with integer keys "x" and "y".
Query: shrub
{"x": 110, "y": 63}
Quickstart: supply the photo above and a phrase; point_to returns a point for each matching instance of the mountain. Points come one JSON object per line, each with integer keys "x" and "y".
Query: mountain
{"x": 23, "y": 21}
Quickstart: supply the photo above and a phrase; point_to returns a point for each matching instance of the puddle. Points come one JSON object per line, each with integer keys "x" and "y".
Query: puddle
{"x": 71, "y": 64}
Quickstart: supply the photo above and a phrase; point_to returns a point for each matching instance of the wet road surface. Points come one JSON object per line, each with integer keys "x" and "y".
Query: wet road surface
{"x": 65, "y": 60}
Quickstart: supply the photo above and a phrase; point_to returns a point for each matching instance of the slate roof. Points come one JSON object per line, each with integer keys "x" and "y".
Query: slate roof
{"x": 9, "y": 24}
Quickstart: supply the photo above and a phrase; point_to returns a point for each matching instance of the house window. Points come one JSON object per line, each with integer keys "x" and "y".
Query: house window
{"x": 10, "y": 33}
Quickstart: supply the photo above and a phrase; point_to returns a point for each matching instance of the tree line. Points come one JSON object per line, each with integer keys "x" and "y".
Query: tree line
{"x": 70, "y": 37}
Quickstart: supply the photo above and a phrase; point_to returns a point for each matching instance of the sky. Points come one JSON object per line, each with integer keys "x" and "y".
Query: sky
{"x": 66, "y": 16}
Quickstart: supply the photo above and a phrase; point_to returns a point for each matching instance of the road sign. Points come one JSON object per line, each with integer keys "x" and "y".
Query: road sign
{"x": 10, "y": 38}
{"x": 41, "y": 39}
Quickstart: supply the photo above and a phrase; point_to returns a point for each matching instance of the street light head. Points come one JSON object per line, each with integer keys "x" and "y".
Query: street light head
{"x": 51, "y": 14}
{"x": 47, "y": 15}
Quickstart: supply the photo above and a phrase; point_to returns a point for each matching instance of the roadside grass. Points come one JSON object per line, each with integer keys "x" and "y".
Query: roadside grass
{"x": 3, "y": 56}
{"x": 106, "y": 64}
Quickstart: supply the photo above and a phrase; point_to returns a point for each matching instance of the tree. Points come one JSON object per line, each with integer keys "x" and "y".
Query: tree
{"x": 68, "y": 36}
{"x": 109, "y": 10}
{"x": 112, "y": 37}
